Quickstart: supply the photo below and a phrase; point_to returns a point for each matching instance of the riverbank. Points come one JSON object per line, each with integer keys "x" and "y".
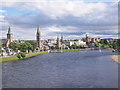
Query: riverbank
{"x": 116, "y": 58}
{"x": 8, "y": 59}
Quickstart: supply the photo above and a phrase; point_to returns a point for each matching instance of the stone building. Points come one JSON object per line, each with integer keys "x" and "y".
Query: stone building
{"x": 9, "y": 37}
{"x": 88, "y": 39}
{"x": 58, "y": 42}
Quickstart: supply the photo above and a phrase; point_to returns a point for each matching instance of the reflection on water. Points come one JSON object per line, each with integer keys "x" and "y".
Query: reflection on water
{"x": 82, "y": 69}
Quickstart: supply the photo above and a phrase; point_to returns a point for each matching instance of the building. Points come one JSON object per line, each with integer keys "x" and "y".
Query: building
{"x": 38, "y": 37}
{"x": 58, "y": 42}
{"x": 77, "y": 43}
{"x": 88, "y": 39}
{"x": 9, "y": 37}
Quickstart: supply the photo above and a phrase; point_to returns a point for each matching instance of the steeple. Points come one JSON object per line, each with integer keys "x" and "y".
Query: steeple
{"x": 38, "y": 29}
{"x": 9, "y": 30}
{"x": 38, "y": 37}
{"x": 58, "y": 42}
{"x": 57, "y": 37}
{"x": 86, "y": 36}
{"x": 61, "y": 38}
{"x": 9, "y": 37}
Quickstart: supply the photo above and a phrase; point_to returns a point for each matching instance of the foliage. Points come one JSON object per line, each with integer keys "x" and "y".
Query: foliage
{"x": 19, "y": 56}
{"x": 29, "y": 47}
{"x": 23, "y": 55}
{"x": 52, "y": 47}
{"x": 104, "y": 41}
{"x": 0, "y": 47}
{"x": 23, "y": 47}
{"x": 34, "y": 44}
{"x": 15, "y": 46}
{"x": 66, "y": 47}
{"x": 75, "y": 40}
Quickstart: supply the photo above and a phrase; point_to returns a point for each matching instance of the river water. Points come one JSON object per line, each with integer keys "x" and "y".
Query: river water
{"x": 80, "y": 69}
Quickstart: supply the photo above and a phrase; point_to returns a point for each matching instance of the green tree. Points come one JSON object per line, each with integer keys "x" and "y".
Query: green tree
{"x": 118, "y": 44}
{"x": 104, "y": 41}
{"x": 0, "y": 48}
{"x": 15, "y": 46}
{"x": 52, "y": 47}
{"x": 23, "y": 47}
{"x": 23, "y": 55}
{"x": 29, "y": 47}
{"x": 66, "y": 47}
{"x": 19, "y": 56}
{"x": 34, "y": 44}
{"x": 74, "y": 46}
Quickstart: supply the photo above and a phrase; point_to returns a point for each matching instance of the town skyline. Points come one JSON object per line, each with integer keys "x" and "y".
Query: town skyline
{"x": 55, "y": 37}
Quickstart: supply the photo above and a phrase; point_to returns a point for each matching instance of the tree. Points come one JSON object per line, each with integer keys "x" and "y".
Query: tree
{"x": 29, "y": 47}
{"x": 0, "y": 48}
{"x": 15, "y": 46}
{"x": 118, "y": 44}
{"x": 52, "y": 47}
{"x": 66, "y": 47}
{"x": 23, "y": 55}
{"x": 23, "y": 47}
{"x": 34, "y": 44}
{"x": 19, "y": 56}
{"x": 104, "y": 41}
{"x": 74, "y": 46}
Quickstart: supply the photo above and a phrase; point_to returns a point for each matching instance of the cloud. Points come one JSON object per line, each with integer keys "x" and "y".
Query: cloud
{"x": 2, "y": 11}
{"x": 72, "y": 18}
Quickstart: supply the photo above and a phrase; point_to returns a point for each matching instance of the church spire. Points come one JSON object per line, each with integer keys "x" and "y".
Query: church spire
{"x": 9, "y": 30}
{"x": 86, "y": 36}
{"x": 61, "y": 38}
{"x": 9, "y": 37}
{"x": 38, "y": 37}
{"x": 38, "y": 29}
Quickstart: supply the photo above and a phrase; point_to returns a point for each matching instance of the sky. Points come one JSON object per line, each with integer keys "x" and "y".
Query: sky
{"x": 70, "y": 18}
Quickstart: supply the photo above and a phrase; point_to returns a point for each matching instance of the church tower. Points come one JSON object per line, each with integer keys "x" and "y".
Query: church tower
{"x": 38, "y": 35}
{"x": 58, "y": 42}
{"x": 9, "y": 37}
{"x": 61, "y": 39}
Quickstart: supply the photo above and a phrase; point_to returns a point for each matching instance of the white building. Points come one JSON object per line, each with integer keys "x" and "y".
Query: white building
{"x": 77, "y": 43}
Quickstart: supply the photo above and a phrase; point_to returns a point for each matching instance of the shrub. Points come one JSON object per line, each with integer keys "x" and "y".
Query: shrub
{"x": 19, "y": 56}
{"x": 23, "y": 55}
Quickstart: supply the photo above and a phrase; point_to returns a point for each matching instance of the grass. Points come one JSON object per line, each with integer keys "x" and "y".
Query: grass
{"x": 117, "y": 52}
{"x": 70, "y": 50}
{"x": 7, "y": 59}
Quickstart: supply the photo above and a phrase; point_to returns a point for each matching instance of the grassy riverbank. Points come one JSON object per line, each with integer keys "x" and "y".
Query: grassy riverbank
{"x": 70, "y": 50}
{"x": 7, "y": 59}
{"x": 116, "y": 58}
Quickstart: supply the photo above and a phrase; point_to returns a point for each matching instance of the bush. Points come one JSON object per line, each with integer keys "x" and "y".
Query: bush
{"x": 23, "y": 55}
{"x": 19, "y": 56}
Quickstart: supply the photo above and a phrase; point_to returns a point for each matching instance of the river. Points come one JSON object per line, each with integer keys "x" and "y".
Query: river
{"x": 80, "y": 69}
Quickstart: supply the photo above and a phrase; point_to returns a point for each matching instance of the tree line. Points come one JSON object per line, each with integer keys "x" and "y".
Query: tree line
{"x": 28, "y": 46}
